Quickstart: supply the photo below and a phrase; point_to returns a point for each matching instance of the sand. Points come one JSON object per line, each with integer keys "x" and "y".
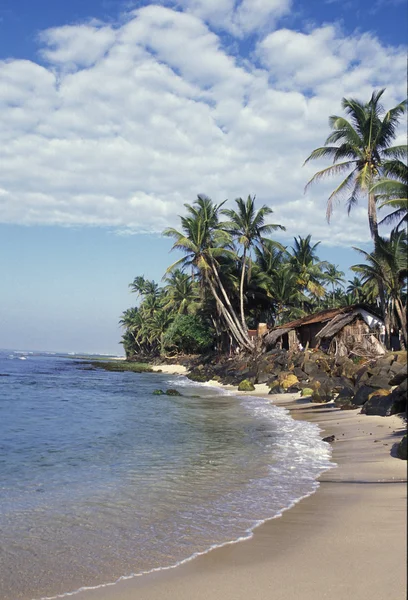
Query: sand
{"x": 348, "y": 540}
{"x": 169, "y": 369}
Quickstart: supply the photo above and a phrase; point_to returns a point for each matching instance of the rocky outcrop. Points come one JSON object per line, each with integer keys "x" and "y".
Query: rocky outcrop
{"x": 402, "y": 448}
{"x": 375, "y": 387}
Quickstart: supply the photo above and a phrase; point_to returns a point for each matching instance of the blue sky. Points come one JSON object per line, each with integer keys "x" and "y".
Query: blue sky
{"x": 112, "y": 115}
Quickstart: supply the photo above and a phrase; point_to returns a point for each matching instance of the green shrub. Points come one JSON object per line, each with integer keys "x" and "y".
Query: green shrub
{"x": 188, "y": 334}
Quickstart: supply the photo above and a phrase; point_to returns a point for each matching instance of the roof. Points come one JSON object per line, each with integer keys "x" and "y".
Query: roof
{"x": 324, "y": 315}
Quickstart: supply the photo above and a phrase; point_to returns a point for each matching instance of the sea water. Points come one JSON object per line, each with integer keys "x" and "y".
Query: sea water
{"x": 101, "y": 479}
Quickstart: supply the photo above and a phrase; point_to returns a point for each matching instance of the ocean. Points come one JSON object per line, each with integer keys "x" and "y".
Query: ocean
{"x": 100, "y": 479}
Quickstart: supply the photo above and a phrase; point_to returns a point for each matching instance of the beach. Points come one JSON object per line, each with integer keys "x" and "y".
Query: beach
{"x": 347, "y": 539}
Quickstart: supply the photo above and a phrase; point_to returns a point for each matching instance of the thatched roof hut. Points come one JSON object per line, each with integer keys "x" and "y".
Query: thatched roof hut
{"x": 341, "y": 331}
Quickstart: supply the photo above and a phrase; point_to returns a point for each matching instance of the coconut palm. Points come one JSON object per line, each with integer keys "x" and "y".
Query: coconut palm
{"x": 247, "y": 226}
{"x": 204, "y": 244}
{"x": 392, "y": 189}
{"x": 182, "y": 294}
{"x": 305, "y": 263}
{"x": 387, "y": 267}
{"x": 357, "y": 147}
{"x": 333, "y": 276}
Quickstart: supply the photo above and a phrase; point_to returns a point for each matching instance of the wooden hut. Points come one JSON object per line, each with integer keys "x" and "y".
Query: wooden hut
{"x": 340, "y": 331}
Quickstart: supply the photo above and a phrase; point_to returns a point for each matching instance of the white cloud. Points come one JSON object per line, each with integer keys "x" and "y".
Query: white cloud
{"x": 239, "y": 17}
{"x": 125, "y": 123}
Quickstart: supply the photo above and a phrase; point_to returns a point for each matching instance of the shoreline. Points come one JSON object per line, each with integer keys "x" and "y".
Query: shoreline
{"x": 342, "y": 539}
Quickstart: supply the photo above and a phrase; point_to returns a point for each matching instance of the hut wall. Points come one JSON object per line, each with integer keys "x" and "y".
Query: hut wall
{"x": 355, "y": 338}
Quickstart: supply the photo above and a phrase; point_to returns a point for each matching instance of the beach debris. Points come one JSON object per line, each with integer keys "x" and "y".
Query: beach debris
{"x": 329, "y": 439}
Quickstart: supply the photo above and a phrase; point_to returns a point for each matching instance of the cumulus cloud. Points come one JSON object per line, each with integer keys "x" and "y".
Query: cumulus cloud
{"x": 120, "y": 125}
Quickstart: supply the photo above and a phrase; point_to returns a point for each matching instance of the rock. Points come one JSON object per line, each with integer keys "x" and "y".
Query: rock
{"x": 384, "y": 406}
{"x": 329, "y": 438}
{"x": 362, "y": 394}
{"x": 306, "y": 392}
{"x": 401, "y": 357}
{"x": 399, "y": 375}
{"x": 158, "y": 392}
{"x": 288, "y": 380}
{"x": 276, "y": 389}
{"x": 198, "y": 376}
{"x": 379, "y": 392}
{"x": 300, "y": 374}
{"x": 172, "y": 392}
{"x": 379, "y": 381}
{"x": 246, "y": 386}
{"x": 402, "y": 448}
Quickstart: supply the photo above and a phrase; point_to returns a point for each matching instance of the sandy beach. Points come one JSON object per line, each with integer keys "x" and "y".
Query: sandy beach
{"x": 346, "y": 540}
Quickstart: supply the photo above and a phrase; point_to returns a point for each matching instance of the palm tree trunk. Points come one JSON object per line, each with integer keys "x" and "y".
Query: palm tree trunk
{"x": 372, "y": 216}
{"x": 233, "y": 315}
{"x": 403, "y": 319}
{"x": 241, "y": 289}
{"x": 240, "y": 339}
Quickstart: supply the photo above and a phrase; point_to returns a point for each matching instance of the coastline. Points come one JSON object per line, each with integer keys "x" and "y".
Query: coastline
{"x": 349, "y": 537}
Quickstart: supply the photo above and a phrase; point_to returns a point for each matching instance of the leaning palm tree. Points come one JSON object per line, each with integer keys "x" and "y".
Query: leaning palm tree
{"x": 204, "y": 243}
{"x": 357, "y": 147}
{"x": 247, "y": 226}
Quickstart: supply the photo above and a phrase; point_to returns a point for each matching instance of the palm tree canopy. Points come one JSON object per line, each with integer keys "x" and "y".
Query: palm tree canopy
{"x": 357, "y": 147}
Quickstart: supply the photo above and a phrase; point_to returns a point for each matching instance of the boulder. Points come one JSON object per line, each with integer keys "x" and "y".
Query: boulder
{"x": 379, "y": 381}
{"x": 300, "y": 374}
{"x": 276, "y": 390}
{"x": 399, "y": 375}
{"x": 402, "y": 448}
{"x": 306, "y": 391}
{"x": 246, "y": 386}
{"x": 158, "y": 392}
{"x": 362, "y": 394}
{"x": 385, "y": 405}
{"x": 172, "y": 392}
{"x": 287, "y": 380}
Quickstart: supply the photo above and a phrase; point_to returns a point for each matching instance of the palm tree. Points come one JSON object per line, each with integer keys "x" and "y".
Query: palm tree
{"x": 334, "y": 276}
{"x": 305, "y": 263}
{"x": 360, "y": 151}
{"x": 356, "y": 289}
{"x": 182, "y": 295}
{"x": 248, "y": 228}
{"x": 392, "y": 189}
{"x": 387, "y": 267}
{"x": 204, "y": 243}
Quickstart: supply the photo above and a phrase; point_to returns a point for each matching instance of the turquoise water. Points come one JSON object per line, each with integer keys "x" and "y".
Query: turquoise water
{"x": 101, "y": 479}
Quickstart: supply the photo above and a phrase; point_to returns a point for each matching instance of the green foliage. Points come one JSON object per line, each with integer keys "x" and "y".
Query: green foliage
{"x": 188, "y": 334}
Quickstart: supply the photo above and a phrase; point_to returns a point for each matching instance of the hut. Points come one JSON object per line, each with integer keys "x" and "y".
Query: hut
{"x": 340, "y": 331}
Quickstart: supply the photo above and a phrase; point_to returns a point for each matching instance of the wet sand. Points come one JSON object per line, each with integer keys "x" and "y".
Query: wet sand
{"x": 346, "y": 540}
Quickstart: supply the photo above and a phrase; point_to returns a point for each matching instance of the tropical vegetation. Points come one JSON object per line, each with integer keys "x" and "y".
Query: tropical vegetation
{"x": 232, "y": 275}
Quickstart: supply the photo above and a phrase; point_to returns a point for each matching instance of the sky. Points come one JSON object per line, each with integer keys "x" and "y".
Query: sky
{"x": 114, "y": 114}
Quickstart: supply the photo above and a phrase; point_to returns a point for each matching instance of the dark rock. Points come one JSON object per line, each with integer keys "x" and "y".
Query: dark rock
{"x": 276, "y": 389}
{"x": 198, "y": 376}
{"x": 329, "y": 439}
{"x": 294, "y": 388}
{"x": 300, "y": 374}
{"x": 379, "y": 381}
{"x": 399, "y": 375}
{"x": 361, "y": 396}
{"x": 172, "y": 392}
{"x": 384, "y": 406}
{"x": 402, "y": 448}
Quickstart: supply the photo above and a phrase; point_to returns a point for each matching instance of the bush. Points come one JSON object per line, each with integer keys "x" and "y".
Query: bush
{"x": 188, "y": 334}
